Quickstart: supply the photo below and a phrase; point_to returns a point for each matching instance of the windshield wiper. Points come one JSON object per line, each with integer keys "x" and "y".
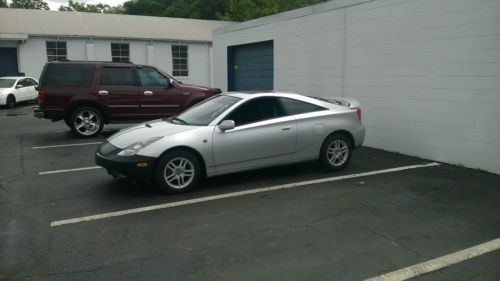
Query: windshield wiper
{"x": 179, "y": 120}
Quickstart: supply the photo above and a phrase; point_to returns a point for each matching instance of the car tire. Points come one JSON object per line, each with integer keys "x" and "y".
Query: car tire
{"x": 336, "y": 152}
{"x": 11, "y": 101}
{"x": 177, "y": 171}
{"x": 86, "y": 122}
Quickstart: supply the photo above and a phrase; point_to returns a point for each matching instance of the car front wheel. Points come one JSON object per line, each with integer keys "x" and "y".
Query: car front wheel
{"x": 336, "y": 152}
{"x": 86, "y": 122}
{"x": 11, "y": 101}
{"x": 177, "y": 172}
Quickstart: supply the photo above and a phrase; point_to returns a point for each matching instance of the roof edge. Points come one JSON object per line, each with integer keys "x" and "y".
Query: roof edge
{"x": 91, "y": 37}
{"x": 297, "y": 13}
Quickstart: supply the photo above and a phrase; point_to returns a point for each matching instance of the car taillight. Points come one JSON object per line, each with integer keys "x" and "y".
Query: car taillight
{"x": 41, "y": 97}
{"x": 358, "y": 112}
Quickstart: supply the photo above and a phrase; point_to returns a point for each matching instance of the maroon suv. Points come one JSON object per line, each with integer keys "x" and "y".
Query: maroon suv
{"x": 87, "y": 95}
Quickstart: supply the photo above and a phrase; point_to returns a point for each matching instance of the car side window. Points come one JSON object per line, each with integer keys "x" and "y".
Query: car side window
{"x": 117, "y": 76}
{"x": 150, "y": 77}
{"x": 21, "y": 82}
{"x": 28, "y": 82}
{"x": 256, "y": 110}
{"x": 293, "y": 107}
{"x": 32, "y": 82}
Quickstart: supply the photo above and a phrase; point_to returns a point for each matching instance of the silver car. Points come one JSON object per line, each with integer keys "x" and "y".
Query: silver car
{"x": 234, "y": 132}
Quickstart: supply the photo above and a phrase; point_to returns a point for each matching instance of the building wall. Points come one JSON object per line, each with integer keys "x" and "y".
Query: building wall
{"x": 33, "y": 55}
{"x": 426, "y": 72}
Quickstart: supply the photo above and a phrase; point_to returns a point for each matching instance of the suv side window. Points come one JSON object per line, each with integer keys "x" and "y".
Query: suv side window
{"x": 256, "y": 110}
{"x": 293, "y": 107}
{"x": 117, "y": 76}
{"x": 67, "y": 75}
{"x": 150, "y": 77}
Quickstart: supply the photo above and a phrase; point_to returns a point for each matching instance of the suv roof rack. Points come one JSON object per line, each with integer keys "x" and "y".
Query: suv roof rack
{"x": 91, "y": 61}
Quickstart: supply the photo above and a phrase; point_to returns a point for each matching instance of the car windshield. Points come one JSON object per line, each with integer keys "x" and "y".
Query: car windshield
{"x": 205, "y": 112}
{"x": 7, "y": 83}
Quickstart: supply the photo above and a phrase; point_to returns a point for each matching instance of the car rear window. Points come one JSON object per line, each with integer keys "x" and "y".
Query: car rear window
{"x": 68, "y": 75}
{"x": 293, "y": 107}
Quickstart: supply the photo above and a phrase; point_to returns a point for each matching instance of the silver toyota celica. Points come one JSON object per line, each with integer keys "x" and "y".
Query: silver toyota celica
{"x": 234, "y": 132}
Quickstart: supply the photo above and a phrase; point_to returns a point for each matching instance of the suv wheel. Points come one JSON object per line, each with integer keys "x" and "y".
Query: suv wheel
{"x": 177, "y": 172}
{"x": 336, "y": 152}
{"x": 86, "y": 122}
{"x": 11, "y": 101}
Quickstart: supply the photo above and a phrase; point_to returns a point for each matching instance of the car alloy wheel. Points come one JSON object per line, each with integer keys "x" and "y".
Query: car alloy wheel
{"x": 338, "y": 152}
{"x": 179, "y": 173}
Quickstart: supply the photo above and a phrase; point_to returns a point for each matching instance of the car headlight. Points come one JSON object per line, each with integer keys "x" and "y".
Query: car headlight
{"x": 136, "y": 147}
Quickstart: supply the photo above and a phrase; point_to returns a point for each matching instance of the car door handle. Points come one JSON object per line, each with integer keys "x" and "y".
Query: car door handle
{"x": 103, "y": 93}
{"x": 285, "y": 129}
{"x": 148, "y": 93}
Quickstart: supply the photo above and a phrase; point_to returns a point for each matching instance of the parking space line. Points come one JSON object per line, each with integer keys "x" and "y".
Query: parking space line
{"x": 69, "y": 170}
{"x": 234, "y": 194}
{"x": 439, "y": 263}
{"x": 65, "y": 145}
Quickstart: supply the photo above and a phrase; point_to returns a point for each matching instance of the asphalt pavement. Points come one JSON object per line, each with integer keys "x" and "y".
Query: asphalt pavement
{"x": 351, "y": 228}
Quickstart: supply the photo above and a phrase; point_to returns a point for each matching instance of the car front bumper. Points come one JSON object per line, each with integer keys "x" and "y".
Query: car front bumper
{"x": 134, "y": 168}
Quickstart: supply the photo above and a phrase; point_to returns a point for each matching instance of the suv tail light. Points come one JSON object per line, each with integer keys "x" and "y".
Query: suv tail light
{"x": 358, "y": 112}
{"x": 41, "y": 97}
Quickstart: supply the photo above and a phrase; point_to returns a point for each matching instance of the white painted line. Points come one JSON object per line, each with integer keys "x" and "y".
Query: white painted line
{"x": 69, "y": 170}
{"x": 439, "y": 263}
{"x": 233, "y": 194}
{"x": 65, "y": 145}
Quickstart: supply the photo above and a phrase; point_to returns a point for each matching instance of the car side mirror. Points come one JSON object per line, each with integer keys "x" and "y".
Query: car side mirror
{"x": 37, "y": 87}
{"x": 19, "y": 86}
{"x": 227, "y": 125}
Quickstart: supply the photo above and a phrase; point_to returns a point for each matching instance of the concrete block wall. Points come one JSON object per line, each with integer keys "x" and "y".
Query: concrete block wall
{"x": 427, "y": 72}
{"x": 33, "y": 55}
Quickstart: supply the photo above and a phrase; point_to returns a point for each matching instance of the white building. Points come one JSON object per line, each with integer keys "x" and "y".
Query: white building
{"x": 30, "y": 38}
{"x": 427, "y": 72}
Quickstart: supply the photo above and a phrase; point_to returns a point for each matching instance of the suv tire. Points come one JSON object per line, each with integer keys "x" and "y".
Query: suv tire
{"x": 86, "y": 122}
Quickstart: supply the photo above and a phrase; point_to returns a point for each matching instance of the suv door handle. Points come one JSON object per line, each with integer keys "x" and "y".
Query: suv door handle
{"x": 286, "y": 128}
{"x": 148, "y": 93}
{"x": 103, "y": 93}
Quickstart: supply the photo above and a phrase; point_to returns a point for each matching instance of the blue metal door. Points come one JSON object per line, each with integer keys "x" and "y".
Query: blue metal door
{"x": 251, "y": 67}
{"x": 8, "y": 62}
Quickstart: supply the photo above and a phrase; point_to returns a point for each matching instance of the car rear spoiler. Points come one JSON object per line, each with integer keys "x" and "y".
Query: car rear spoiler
{"x": 342, "y": 101}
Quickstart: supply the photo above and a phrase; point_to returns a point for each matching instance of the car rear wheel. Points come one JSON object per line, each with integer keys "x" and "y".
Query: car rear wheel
{"x": 177, "y": 172}
{"x": 11, "y": 101}
{"x": 336, "y": 152}
{"x": 86, "y": 122}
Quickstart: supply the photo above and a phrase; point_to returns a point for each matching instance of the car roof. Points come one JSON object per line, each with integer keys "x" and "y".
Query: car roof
{"x": 16, "y": 77}
{"x": 246, "y": 95}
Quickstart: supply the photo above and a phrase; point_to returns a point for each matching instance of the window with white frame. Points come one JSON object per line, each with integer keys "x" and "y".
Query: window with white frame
{"x": 180, "y": 60}
{"x": 56, "y": 50}
{"x": 120, "y": 52}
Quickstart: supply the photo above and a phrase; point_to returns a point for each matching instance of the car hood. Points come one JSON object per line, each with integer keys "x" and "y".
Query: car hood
{"x": 145, "y": 131}
{"x": 4, "y": 90}
{"x": 194, "y": 87}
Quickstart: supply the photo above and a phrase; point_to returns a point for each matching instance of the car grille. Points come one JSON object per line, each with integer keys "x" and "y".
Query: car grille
{"x": 107, "y": 149}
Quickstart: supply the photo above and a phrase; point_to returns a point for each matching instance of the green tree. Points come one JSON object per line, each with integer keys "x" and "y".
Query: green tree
{"x": 30, "y": 4}
{"x": 91, "y": 8}
{"x": 3, "y": 4}
{"x": 233, "y": 10}
{"x": 243, "y": 10}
